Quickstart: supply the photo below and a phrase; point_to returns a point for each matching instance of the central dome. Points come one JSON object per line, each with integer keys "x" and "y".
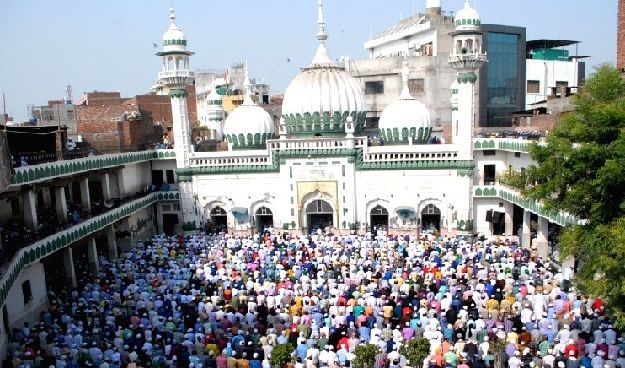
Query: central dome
{"x": 322, "y": 96}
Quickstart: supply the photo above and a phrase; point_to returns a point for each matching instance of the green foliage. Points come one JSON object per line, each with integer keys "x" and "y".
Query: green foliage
{"x": 416, "y": 351}
{"x": 580, "y": 171}
{"x": 281, "y": 354}
{"x": 365, "y": 355}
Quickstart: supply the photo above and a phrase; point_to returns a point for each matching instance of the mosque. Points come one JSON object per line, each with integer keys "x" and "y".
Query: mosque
{"x": 320, "y": 170}
{"x": 317, "y": 171}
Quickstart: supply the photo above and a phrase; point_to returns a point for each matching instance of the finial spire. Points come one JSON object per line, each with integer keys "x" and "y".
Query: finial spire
{"x": 248, "y": 88}
{"x": 172, "y": 15}
{"x": 322, "y": 36}
{"x": 405, "y": 91}
{"x": 467, "y": 4}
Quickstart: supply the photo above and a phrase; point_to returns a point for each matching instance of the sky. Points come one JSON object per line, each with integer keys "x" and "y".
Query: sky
{"x": 108, "y": 45}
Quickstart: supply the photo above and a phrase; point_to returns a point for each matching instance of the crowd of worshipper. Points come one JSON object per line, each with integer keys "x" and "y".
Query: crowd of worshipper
{"x": 227, "y": 301}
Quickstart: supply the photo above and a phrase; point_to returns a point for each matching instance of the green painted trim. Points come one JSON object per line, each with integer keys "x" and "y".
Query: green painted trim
{"x": 175, "y": 42}
{"x": 468, "y": 77}
{"x": 396, "y": 136}
{"x": 249, "y": 140}
{"x": 44, "y": 247}
{"x": 326, "y": 123}
{"x": 178, "y": 92}
{"x": 511, "y": 146}
{"x": 560, "y": 218}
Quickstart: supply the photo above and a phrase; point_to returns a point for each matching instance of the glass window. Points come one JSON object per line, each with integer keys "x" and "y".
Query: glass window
{"x": 533, "y": 86}
{"x": 374, "y": 88}
{"x": 502, "y": 82}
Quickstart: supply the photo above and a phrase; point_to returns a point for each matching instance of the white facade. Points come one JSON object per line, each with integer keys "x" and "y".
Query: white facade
{"x": 543, "y": 75}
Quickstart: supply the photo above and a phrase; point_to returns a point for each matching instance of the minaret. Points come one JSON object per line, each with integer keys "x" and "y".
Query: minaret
{"x": 175, "y": 76}
{"x": 322, "y": 57}
{"x": 467, "y": 56}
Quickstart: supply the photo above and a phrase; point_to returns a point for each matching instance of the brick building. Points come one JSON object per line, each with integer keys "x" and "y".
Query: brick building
{"x": 620, "y": 43}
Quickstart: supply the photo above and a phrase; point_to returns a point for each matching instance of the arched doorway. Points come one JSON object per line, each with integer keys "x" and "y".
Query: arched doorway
{"x": 431, "y": 218}
{"x": 219, "y": 219}
{"x": 379, "y": 218}
{"x": 264, "y": 218}
{"x": 319, "y": 215}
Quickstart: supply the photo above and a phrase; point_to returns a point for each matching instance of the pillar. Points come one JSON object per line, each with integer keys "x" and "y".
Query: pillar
{"x": 525, "y": 230}
{"x": 92, "y": 254}
{"x": 47, "y": 198}
{"x": 68, "y": 263}
{"x": 61, "y": 203}
{"x": 111, "y": 243}
{"x": 106, "y": 186}
{"x": 542, "y": 243}
{"x": 120, "y": 184}
{"x": 29, "y": 200}
{"x": 84, "y": 194}
{"x": 509, "y": 218}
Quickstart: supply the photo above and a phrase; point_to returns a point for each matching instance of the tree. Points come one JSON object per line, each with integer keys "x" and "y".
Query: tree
{"x": 281, "y": 354}
{"x": 416, "y": 351}
{"x": 579, "y": 170}
{"x": 365, "y": 355}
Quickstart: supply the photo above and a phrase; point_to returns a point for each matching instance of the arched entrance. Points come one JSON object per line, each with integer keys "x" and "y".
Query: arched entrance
{"x": 379, "y": 218}
{"x": 219, "y": 219}
{"x": 319, "y": 215}
{"x": 264, "y": 218}
{"x": 431, "y": 218}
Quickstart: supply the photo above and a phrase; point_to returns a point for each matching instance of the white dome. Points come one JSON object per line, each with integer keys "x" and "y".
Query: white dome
{"x": 328, "y": 92}
{"x": 405, "y": 117}
{"x": 322, "y": 96}
{"x": 249, "y": 125}
{"x": 467, "y": 17}
{"x": 173, "y": 38}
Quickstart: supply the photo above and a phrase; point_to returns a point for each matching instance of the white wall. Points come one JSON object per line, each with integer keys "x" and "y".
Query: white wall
{"x": 548, "y": 72}
{"x": 18, "y": 311}
{"x": 136, "y": 177}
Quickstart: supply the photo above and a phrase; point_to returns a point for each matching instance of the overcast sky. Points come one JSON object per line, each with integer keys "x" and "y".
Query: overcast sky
{"x": 108, "y": 45}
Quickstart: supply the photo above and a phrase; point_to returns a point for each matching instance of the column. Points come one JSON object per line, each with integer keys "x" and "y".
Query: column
{"x": 509, "y": 218}
{"x": 111, "y": 243}
{"x": 61, "y": 203}
{"x": 84, "y": 194}
{"x": 92, "y": 254}
{"x": 70, "y": 192}
{"x": 106, "y": 186}
{"x": 525, "y": 230}
{"x": 68, "y": 263}
{"x": 542, "y": 244}
{"x": 120, "y": 184}
{"x": 29, "y": 200}
{"x": 47, "y": 198}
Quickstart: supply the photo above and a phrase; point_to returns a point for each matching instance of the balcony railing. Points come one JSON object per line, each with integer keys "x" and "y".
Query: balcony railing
{"x": 62, "y": 239}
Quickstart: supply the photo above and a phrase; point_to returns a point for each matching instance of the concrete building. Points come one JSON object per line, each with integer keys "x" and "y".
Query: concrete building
{"x": 550, "y": 65}
{"x": 425, "y": 41}
{"x": 502, "y": 79}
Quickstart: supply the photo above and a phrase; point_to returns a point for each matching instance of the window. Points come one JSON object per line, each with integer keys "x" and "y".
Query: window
{"x": 70, "y": 114}
{"x": 374, "y": 88}
{"x": 489, "y": 174}
{"x": 562, "y": 84}
{"x": 170, "y": 176}
{"x": 533, "y": 86}
{"x": 517, "y": 154}
{"x": 166, "y": 208}
{"x": 416, "y": 85}
{"x": 490, "y": 152}
{"x": 27, "y": 291}
{"x": 176, "y": 207}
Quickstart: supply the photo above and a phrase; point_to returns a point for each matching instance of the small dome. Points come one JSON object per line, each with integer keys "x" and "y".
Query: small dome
{"x": 322, "y": 96}
{"x": 467, "y": 18}
{"x": 249, "y": 125}
{"x": 405, "y": 118}
{"x": 173, "y": 38}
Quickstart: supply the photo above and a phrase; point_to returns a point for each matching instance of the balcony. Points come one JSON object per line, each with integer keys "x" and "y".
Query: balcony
{"x": 61, "y": 239}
